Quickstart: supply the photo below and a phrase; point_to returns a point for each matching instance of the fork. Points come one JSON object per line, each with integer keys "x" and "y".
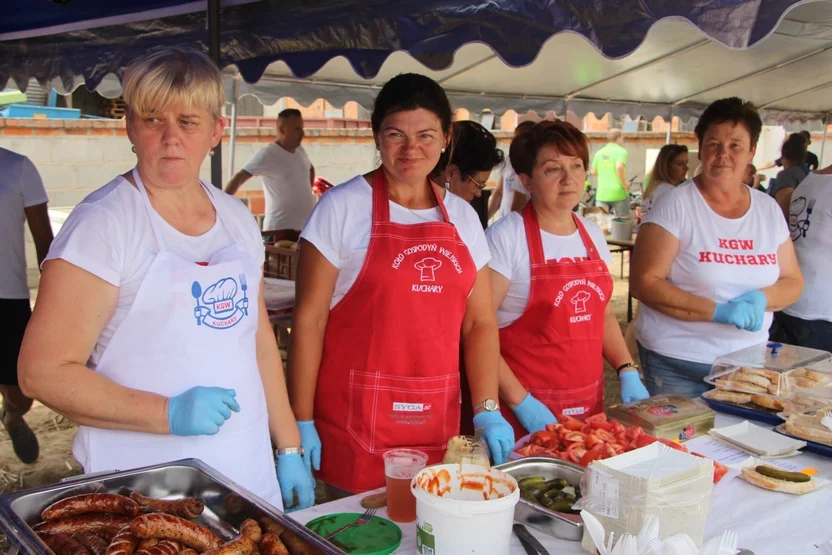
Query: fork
{"x": 244, "y": 286}
{"x": 366, "y": 518}
{"x": 827, "y": 419}
{"x": 728, "y": 543}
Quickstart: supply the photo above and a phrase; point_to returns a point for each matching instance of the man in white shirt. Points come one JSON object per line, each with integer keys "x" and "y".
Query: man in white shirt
{"x": 22, "y": 198}
{"x": 286, "y": 173}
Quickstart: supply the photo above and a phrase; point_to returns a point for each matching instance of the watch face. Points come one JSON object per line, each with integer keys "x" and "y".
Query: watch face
{"x": 490, "y": 404}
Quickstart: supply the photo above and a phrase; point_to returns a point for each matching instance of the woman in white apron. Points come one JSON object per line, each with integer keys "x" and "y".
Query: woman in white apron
{"x": 151, "y": 330}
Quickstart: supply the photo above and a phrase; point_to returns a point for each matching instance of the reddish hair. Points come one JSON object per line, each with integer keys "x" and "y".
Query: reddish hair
{"x": 562, "y": 135}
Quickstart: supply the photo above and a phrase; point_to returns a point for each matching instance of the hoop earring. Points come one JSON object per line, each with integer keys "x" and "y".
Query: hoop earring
{"x": 133, "y": 148}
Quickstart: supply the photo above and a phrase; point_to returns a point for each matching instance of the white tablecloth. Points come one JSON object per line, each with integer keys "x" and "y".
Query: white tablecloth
{"x": 768, "y": 523}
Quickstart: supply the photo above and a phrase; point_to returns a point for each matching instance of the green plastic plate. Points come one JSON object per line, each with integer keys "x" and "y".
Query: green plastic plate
{"x": 379, "y": 537}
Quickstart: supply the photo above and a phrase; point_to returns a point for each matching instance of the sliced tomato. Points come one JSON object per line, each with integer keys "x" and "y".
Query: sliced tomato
{"x": 618, "y": 448}
{"x": 544, "y": 438}
{"x": 644, "y": 440}
{"x": 633, "y": 432}
{"x": 575, "y": 452}
{"x": 553, "y": 428}
{"x": 574, "y": 437}
{"x": 604, "y": 435}
{"x": 594, "y": 454}
{"x": 674, "y": 445}
{"x": 600, "y": 417}
{"x": 606, "y": 426}
{"x": 573, "y": 425}
{"x": 720, "y": 470}
{"x": 617, "y": 428}
{"x": 592, "y": 440}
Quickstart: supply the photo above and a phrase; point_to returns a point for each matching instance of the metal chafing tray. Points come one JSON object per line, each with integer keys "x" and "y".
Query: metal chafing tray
{"x": 227, "y": 504}
{"x": 559, "y": 525}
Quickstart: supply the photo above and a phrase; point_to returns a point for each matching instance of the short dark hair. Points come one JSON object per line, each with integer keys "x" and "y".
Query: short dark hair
{"x": 474, "y": 149}
{"x": 411, "y": 91}
{"x": 289, "y": 113}
{"x": 524, "y": 126}
{"x": 794, "y": 149}
{"x": 564, "y": 136}
{"x": 732, "y": 109}
{"x": 806, "y": 135}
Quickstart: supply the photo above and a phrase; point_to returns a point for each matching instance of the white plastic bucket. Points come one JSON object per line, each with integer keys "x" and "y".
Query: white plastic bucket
{"x": 621, "y": 229}
{"x": 464, "y": 509}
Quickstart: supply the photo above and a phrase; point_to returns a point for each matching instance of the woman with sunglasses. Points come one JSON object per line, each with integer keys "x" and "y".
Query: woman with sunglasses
{"x": 465, "y": 168}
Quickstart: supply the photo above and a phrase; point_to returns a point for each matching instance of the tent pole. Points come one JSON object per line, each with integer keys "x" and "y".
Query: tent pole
{"x": 669, "y": 126}
{"x": 823, "y": 142}
{"x": 214, "y": 53}
{"x": 233, "y": 141}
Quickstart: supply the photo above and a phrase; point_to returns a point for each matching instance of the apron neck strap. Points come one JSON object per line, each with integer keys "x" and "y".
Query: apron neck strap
{"x": 533, "y": 238}
{"x": 381, "y": 198}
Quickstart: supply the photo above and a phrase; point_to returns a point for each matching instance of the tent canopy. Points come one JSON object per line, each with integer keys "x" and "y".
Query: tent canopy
{"x": 675, "y": 70}
{"x": 638, "y": 57}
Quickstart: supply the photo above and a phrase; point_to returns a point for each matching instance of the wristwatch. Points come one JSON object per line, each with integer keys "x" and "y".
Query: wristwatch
{"x": 489, "y": 405}
{"x": 626, "y": 366}
{"x": 290, "y": 451}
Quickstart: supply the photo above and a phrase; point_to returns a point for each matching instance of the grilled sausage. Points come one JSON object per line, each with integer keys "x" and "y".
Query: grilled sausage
{"x": 106, "y": 525}
{"x": 250, "y": 529}
{"x": 189, "y": 507}
{"x": 169, "y": 527}
{"x": 295, "y": 545}
{"x": 270, "y": 544}
{"x": 124, "y": 543}
{"x": 165, "y": 547}
{"x": 62, "y": 544}
{"x": 188, "y": 551}
{"x": 270, "y": 525}
{"x": 239, "y": 546}
{"x": 90, "y": 503}
{"x": 95, "y": 544}
{"x": 147, "y": 543}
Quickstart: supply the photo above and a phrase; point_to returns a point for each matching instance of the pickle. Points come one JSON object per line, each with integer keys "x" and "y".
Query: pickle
{"x": 524, "y": 494}
{"x": 558, "y": 483}
{"x": 783, "y": 474}
{"x": 553, "y": 495}
{"x": 530, "y": 481}
{"x": 560, "y": 506}
{"x": 537, "y": 490}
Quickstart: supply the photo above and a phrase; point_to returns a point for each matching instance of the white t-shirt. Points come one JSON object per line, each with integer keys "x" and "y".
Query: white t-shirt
{"x": 658, "y": 191}
{"x": 109, "y": 235}
{"x": 20, "y": 187}
{"x": 719, "y": 259}
{"x": 286, "y": 186}
{"x": 511, "y": 185}
{"x": 510, "y": 257}
{"x": 341, "y": 222}
{"x": 810, "y": 224}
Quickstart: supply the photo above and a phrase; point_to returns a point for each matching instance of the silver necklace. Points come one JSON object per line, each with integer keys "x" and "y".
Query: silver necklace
{"x": 400, "y": 203}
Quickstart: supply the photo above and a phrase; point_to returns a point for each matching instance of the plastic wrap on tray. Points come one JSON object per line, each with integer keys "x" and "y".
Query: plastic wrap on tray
{"x": 770, "y": 369}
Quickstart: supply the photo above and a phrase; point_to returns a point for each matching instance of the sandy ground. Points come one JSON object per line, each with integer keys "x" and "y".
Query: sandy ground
{"x": 56, "y": 434}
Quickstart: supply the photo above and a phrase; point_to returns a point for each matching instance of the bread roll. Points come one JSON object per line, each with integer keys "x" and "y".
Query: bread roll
{"x": 751, "y": 377}
{"x": 768, "y": 402}
{"x": 810, "y": 433}
{"x": 729, "y": 397}
{"x": 752, "y": 476}
{"x": 736, "y": 385}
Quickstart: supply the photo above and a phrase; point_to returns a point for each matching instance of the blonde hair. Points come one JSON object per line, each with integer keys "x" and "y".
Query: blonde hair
{"x": 661, "y": 169}
{"x": 172, "y": 77}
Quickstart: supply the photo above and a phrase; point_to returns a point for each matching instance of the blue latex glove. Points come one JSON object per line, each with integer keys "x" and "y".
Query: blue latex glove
{"x": 742, "y": 315}
{"x": 498, "y": 434}
{"x": 311, "y": 444}
{"x": 294, "y": 477}
{"x": 758, "y": 300}
{"x": 533, "y": 414}
{"x": 201, "y": 410}
{"x": 631, "y": 387}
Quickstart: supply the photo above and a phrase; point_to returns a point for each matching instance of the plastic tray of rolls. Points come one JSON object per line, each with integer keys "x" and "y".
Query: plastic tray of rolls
{"x": 766, "y": 375}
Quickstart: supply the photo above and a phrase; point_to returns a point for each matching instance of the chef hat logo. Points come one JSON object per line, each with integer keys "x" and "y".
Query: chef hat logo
{"x": 579, "y": 301}
{"x": 223, "y": 290}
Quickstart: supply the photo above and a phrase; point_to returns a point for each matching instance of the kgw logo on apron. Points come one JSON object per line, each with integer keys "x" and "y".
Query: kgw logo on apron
{"x": 215, "y": 307}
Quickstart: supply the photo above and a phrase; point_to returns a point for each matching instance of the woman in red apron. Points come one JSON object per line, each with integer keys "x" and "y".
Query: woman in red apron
{"x": 552, "y": 289}
{"x": 391, "y": 277}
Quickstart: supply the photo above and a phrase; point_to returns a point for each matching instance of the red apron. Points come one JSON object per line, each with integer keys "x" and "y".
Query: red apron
{"x": 389, "y": 374}
{"x": 555, "y": 347}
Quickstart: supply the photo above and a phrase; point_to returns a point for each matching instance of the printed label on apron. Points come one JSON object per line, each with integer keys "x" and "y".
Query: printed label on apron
{"x": 215, "y": 304}
{"x": 574, "y": 411}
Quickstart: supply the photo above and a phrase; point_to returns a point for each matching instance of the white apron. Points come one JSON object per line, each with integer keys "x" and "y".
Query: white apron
{"x": 190, "y": 325}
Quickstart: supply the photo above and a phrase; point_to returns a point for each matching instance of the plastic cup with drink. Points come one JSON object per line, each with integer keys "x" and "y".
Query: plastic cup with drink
{"x": 400, "y": 466}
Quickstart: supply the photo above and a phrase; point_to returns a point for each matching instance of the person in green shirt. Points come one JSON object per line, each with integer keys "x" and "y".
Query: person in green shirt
{"x": 610, "y": 165}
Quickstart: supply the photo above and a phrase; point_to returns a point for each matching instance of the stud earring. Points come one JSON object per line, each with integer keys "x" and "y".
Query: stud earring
{"x": 447, "y": 184}
{"x": 443, "y": 150}
{"x": 211, "y": 152}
